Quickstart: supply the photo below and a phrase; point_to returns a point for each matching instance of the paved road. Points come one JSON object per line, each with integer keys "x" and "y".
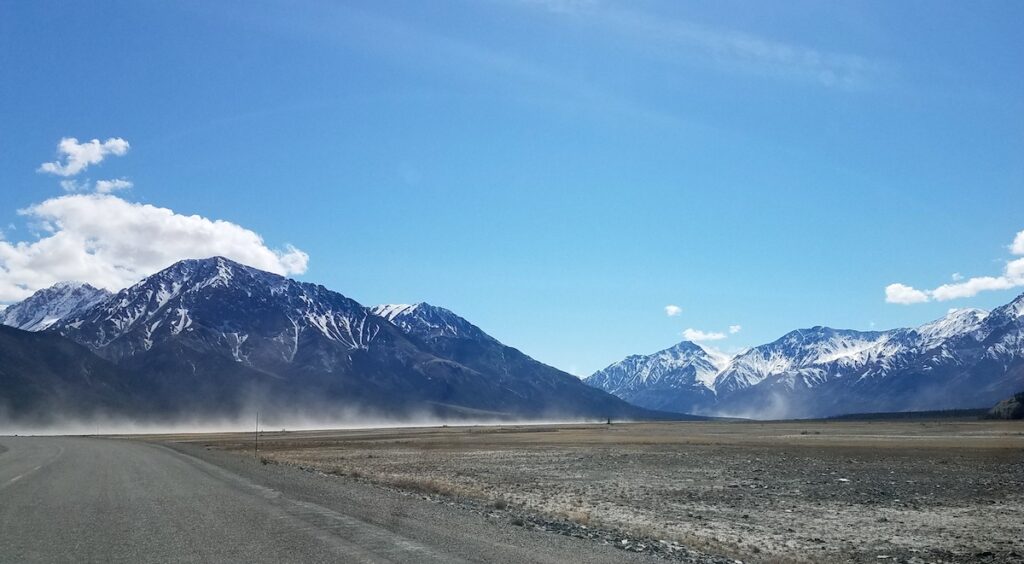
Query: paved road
{"x": 101, "y": 500}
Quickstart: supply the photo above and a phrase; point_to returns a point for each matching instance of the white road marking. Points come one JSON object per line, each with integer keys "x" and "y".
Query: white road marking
{"x": 20, "y": 476}
{"x": 60, "y": 451}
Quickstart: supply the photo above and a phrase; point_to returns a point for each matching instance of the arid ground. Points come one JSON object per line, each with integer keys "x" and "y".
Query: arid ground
{"x": 860, "y": 491}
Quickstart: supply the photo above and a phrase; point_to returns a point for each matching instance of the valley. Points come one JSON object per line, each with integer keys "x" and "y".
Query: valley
{"x": 795, "y": 491}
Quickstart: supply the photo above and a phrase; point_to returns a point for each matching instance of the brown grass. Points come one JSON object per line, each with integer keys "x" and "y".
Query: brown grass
{"x": 761, "y": 492}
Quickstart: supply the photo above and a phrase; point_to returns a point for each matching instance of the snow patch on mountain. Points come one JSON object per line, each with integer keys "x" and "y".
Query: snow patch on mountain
{"x": 956, "y": 322}
{"x": 684, "y": 365}
{"x": 429, "y": 322}
{"x": 806, "y": 360}
{"x": 215, "y": 297}
{"x": 49, "y": 305}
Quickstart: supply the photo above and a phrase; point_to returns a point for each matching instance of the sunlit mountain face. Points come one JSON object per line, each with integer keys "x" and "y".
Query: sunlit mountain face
{"x": 969, "y": 358}
{"x": 215, "y": 336}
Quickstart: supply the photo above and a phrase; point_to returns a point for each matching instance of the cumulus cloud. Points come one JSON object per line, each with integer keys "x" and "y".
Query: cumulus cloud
{"x": 112, "y": 243}
{"x": 697, "y": 335}
{"x": 673, "y": 310}
{"x": 76, "y": 157}
{"x": 1017, "y": 247}
{"x": 108, "y": 186}
{"x": 733, "y": 329}
{"x": 1011, "y": 277}
{"x": 903, "y": 294}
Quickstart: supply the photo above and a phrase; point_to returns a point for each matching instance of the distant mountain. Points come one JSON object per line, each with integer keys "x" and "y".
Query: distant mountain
{"x": 213, "y": 336}
{"x": 50, "y": 305}
{"x": 803, "y": 354}
{"x": 680, "y": 378}
{"x": 969, "y": 358}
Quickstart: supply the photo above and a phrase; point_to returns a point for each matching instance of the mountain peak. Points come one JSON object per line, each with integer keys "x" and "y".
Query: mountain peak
{"x": 226, "y": 302}
{"x": 49, "y": 305}
{"x": 1017, "y": 306}
{"x": 685, "y": 346}
{"x": 956, "y": 322}
{"x": 683, "y": 365}
{"x": 217, "y": 263}
{"x": 69, "y": 285}
{"x": 217, "y": 271}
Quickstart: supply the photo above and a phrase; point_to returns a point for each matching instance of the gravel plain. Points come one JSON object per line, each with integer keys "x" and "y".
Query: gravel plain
{"x": 803, "y": 491}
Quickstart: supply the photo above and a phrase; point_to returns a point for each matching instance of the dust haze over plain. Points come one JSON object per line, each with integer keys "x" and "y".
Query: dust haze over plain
{"x": 273, "y": 421}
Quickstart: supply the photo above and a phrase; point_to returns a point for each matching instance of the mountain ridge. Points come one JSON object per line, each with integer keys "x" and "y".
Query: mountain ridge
{"x": 204, "y": 332}
{"x": 49, "y": 305}
{"x": 212, "y": 335}
{"x": 969, "y": 355}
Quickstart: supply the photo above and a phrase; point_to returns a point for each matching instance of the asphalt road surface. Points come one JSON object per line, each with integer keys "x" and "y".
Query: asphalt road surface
{"x": 71, "y": 499}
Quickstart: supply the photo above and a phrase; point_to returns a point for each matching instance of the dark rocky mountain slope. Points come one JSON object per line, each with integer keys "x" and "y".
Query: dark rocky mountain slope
{"x": 213, "y": 336}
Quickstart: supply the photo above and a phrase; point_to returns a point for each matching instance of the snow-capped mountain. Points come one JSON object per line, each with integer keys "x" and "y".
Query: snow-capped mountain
{"x": 215, "y": 336}
{"x": 957, "y": 322}
{"x": 429, "y": 322}
{"x": 802, "y": 353}
{"x": 49, "y": 305}
{"x": 260, "y": 318}
{"x": 969, "y": 358}
{"x": 680, "y": 378}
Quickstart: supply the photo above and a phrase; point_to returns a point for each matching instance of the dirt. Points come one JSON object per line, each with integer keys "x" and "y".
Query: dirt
{"x": 875, "y": 491}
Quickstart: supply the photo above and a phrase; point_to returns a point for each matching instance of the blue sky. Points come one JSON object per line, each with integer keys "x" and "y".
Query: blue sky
{"x": 556, "y": 171}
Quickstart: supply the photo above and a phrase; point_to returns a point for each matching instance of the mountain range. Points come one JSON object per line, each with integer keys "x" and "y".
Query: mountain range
{"x": 969, "y": 358}
{"x": 214, "y": 337}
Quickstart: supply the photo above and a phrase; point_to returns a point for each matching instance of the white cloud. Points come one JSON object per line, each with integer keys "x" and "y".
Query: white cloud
{"x": 101, "y": 186}
{"x": 733, "y": 329}
{"x": 1017, "y": 247}
{"x": 1012, "y": 277}
{"x": 78, "y": 156}
{"x": 903, "y": 294}
{"x": 72, "y": 185}
{"x": 973, "y": 286}
{"x": 111, "y": 243}
{"x": 673, "y": 310}
{"x": 108, "y": 186}
{"x": 698, "y": 335}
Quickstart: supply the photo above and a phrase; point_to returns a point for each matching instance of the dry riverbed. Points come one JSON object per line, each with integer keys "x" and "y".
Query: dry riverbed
{"x": 872, "y": 491}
